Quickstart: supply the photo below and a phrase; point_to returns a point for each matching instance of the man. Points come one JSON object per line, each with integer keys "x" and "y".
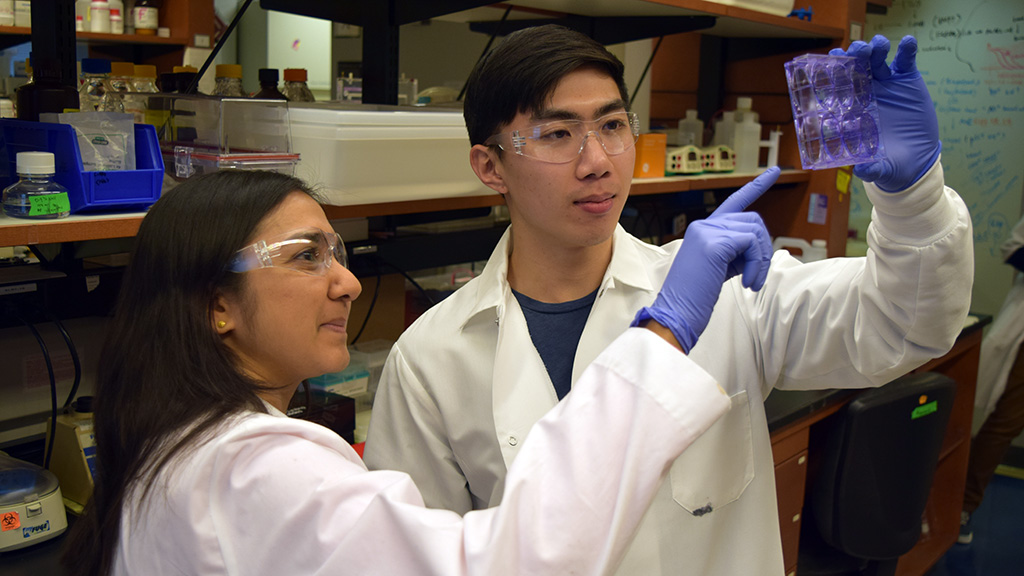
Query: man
{"x": 565, "y": 280}
{"x": 1000, "y": 387}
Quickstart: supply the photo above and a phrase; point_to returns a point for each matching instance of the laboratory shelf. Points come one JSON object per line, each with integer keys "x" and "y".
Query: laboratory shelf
{"x": 20, "y": 232}
{"x": 14, "y": 35}
{"x": 15, "y": 232}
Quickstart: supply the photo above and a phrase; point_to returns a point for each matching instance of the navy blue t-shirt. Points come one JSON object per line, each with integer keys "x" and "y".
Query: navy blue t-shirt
{"x": 556, "y": 330}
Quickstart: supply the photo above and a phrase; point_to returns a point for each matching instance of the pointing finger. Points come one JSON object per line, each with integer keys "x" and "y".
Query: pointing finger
{"x": 745, "y": 196}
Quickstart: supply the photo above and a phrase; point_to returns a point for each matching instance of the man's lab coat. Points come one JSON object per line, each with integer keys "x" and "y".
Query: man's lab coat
{"x": 464, "y": 384}
{"x": 270, "y": 495}
{"x": 1004, "y": 338}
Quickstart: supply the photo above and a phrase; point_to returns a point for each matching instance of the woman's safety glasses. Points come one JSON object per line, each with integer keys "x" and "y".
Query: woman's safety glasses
{"x": 562, "y": 141}
{"x": 310, "y": 251}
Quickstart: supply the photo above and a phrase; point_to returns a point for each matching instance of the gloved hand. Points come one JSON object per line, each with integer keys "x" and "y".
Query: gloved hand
{"x": 909, "y": 128}
{"x": 726, "y": 243}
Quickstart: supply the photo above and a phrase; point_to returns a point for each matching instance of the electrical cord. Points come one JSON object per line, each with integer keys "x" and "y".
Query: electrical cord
{"x": 415, "y": 284}
{"x": 71, "y": 350}
{"x": 487, "y": 48}
{"x": 646, "y": 68}
{"x": 53, "y": 379}
{"x": 373, "y": 303}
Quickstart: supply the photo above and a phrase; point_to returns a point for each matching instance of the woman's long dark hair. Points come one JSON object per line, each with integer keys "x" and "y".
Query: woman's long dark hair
{"x": 163, "y": 369}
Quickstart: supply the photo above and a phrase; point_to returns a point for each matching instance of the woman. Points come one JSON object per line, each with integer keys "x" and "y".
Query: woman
{"x": 237, "y": 291}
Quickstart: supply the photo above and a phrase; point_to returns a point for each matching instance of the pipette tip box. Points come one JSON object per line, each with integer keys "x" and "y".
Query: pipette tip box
{"x": 834, "y": 110}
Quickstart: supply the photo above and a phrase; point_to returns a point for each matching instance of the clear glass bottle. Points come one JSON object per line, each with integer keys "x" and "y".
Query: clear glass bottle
{"x": 146, "y": 17}
{"x": 268, "y": 86}
{"x": 295, "y": 88}
{"x": 121, "y": 74}
{"x": 229, "y": 81}
{"x": 144, "y": 79}
{"x": 36, "y": 195}
{"x": 96, "y": 94}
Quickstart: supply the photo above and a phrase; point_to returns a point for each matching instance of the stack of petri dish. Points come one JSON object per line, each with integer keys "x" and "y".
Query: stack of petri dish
{"x": 834, "y": 111}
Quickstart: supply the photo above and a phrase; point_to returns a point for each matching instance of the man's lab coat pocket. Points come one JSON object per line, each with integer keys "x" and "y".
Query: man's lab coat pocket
{"x": 716, "y": 469}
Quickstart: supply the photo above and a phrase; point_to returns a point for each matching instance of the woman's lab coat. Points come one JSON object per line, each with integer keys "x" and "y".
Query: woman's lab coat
{"x": 464, "y": 385}
{"x": 1004, "y": 338}
{"x": 280, "y": 496}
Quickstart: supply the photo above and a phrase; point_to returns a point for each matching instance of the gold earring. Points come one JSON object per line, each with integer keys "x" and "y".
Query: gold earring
{"x": 221, "y": 324}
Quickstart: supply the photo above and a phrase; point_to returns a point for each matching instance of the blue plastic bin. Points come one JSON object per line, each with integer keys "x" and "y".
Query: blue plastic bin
{"x": 116, "y": 190}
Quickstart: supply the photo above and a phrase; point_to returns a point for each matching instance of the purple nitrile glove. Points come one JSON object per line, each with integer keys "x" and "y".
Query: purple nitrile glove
{"x": 726, "y": 243}
{"x": 909, "y": 127}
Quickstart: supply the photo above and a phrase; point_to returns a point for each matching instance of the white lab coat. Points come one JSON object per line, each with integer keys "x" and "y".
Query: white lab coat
{"x": 464, "y": 384}
{"x": 1004, "y": 337}
{"x": 278, "y": 496}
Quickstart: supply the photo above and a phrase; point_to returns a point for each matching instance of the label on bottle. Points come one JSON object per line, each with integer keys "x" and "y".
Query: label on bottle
{"x": 45, "y": 204}
{"x": 145, "y": 18}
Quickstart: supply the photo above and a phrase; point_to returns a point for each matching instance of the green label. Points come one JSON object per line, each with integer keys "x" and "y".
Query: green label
{"x": 49, "y": 204}
{"x": 924, "y": 410}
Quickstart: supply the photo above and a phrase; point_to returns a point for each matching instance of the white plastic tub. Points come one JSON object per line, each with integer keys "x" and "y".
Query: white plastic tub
{"x": 776, "y": 7}
{"x": 364, "y": 157}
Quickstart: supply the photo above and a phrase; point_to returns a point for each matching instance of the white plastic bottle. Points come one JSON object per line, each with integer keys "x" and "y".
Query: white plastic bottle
{"x": 809, "y": 251}
{"x": 116, "y": 16}
{"x": 691, "y": 130}
{"x": 36, "y": 195}
{"x": 99, "y": 16}
{"x": 725, "y": 130}
{"x": 744, "y": 108}
{"x": 747, "y": 146}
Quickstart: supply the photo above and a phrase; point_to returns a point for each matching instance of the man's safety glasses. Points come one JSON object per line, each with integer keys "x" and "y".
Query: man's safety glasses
{"x": 562, "y": 141}
{"x": 310, "y": 251}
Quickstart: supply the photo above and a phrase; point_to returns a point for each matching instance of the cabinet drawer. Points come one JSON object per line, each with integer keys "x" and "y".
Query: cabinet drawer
{"x": 790, "y": 478}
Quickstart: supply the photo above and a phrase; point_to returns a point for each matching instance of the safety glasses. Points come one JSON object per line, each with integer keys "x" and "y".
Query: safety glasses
{"x": 562, "y": 141}
{"x": 309, "y": 251}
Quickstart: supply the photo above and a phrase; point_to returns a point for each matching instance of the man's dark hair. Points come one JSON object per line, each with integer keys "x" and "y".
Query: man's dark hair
{"x": 523, "y": 71}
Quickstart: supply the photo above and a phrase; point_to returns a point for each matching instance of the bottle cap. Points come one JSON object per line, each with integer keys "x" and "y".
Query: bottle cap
{"x": 145, "y": 71}
{"x": 95, "y": 66}
{"x": 268, "y": 75}
{"x": 35, "y": 163}
{"x": 185, "y": 69}
{"x": 229, "y": 71}
{"x": 691, "y": 114}
{"x": 744, "y": 103}
{"x": 122, "y": 69}
{"x": 294, "y": 74}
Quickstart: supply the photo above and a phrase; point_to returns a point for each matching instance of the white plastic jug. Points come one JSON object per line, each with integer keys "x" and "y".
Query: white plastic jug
{"x": 809, "y": 251}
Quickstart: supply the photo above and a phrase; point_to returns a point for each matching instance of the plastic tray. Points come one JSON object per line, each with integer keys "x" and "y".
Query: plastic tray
{"x": 834, "y": 110}
{"x": 87, "y": 191}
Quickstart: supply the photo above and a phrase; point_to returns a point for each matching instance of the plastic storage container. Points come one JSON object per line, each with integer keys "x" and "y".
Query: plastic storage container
{"x": 87, "y": 191}
{"x": 776, "y": 7}
{"x": 362, "y": 156}
{"x": 204, "y": 133}
{"x": 834, "y": 111}
{"x": 808, "y": 251}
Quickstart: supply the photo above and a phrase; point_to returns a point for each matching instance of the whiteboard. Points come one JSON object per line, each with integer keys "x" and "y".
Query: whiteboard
{"x": 971, "y": 55}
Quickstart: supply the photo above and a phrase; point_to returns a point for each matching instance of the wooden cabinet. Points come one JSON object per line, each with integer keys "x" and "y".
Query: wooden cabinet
{"x": 795, "y": 454}
{"x": 790, "y": 456}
